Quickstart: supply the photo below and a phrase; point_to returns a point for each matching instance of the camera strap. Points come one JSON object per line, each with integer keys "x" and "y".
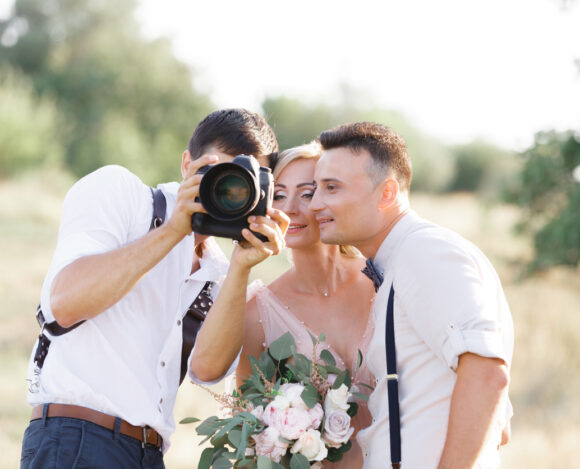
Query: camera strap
{"x": 53, "y": 328}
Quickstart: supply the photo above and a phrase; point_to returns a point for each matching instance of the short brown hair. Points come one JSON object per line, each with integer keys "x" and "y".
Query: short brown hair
{"x": 388, "y": 150}
{"x": 235, "y": 132}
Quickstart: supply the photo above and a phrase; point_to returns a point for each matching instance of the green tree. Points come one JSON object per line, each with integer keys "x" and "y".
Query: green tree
{"x": 28, "y": 127}
{"x": 484, "y": 168}
{"x": 548, "y": 191}
{"x": 295, "y": 123}
{"x": 110, "y": 84}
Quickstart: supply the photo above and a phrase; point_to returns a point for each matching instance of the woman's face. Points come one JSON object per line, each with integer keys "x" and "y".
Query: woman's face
{"x": 292, "y": 194}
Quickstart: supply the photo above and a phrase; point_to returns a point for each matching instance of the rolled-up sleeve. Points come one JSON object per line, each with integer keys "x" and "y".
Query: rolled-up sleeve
{"x": 454, "y": 300}
{"x": 196, "y": 380}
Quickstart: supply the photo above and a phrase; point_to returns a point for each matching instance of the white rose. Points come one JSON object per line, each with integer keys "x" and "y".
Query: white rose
{"x": 310, "y": 445}
{"x": 337, "y": 399}
{"x": 258, "y": 412}
{"x": 337, "y": 429}
{"x": 292, "y": 392}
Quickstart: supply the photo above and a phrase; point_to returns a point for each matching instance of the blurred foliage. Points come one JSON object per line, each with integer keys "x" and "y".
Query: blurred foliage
{"x": 548, "y": 191}
{"x": 120, "y": 98}
{"x": 107, "y": 95}
{"x": 483, "y": 168}
{"x": 295, "y": 123}
{"x": 29, "y": 127}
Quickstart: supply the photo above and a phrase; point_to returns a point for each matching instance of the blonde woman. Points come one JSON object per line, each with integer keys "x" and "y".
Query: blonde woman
{"x": 323, "y": 292}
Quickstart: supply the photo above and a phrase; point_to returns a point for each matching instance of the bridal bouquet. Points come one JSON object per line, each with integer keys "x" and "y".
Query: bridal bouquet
{"x": 291, "y": 412}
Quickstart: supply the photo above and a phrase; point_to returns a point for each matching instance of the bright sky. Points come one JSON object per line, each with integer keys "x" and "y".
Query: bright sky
{"x": 495, "y": 69}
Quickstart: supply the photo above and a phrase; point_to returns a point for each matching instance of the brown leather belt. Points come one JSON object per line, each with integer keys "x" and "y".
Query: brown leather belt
{"x": 145, "y": 435}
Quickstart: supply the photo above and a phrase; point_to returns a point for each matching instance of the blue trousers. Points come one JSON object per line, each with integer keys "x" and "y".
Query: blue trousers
{"x": 66, "y": 443}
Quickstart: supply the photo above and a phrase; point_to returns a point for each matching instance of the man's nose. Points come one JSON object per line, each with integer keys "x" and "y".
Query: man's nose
{"x": 315, "y": 203}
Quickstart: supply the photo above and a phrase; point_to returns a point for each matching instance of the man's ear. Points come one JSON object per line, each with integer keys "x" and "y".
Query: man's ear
{"x": 389, "y": 194}
{"x": 185, "y": 162}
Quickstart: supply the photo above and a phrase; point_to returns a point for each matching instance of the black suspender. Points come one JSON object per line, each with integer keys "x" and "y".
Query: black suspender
{"x": 393, "y": 384}
{"x": 191, "y": 322}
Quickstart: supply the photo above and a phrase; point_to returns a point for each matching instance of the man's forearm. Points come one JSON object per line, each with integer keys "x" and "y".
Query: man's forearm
{"x": 91, "y": 284}
{"x": 480, "y": 387}
{"x": 220, "y": 339}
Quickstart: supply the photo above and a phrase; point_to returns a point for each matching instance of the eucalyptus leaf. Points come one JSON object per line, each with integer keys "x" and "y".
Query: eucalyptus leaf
{"x": 235, "y": 437}
{"x": 222, "y": 463}
{"x": 359, "y": 360}
{"x": 327, "y": 358}
{"x": 310, "y": 395}
{"x": 339, "y": 381}
{"x": 265, "y": 463}
{"x": 189, "y": 420}
{"x": 283, "y": 347}
{"x": 361, "y": 396}
{"x": 205, "y": 459}
{"x": 303, "y": 364}
{"x": 243, "y": 442}
{"x": 244, "y": 462}
{"x": 368, "y": 386}
{"x": 313, "y": 337}
{"x": 299, "y": 461}
{"x": 209, "y": 426}
{"x": 352, "y": 409}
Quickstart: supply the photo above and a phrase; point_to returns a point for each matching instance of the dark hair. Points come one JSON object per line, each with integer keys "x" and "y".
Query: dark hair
{"x": 235, "y": 132}
{"x": 388, "y": 150}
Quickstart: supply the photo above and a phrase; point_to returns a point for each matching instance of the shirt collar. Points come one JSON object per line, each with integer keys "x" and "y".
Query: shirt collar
{"x": 395, "y": 236}
{"x": 213, "y": 265}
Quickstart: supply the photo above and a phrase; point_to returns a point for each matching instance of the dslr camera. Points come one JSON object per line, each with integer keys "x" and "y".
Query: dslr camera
{"x": 230, "y": 193}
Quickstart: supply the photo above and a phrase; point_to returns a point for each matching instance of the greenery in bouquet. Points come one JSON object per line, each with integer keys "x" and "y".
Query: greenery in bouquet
{"x": 291, "y": 412}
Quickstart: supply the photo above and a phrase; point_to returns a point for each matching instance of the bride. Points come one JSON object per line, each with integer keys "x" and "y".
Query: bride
{"x": 323, "y": 292}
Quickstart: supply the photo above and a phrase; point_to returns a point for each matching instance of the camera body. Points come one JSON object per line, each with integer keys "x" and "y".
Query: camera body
{"x": 230, "y": 193}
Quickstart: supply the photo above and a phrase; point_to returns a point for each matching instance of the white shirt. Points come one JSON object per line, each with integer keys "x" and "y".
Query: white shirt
{"x": 448, "y": 301}
{"x": 125, "y": 361}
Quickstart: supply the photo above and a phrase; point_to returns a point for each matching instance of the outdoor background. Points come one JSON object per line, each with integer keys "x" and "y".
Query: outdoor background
{"x": 486, "y": 95}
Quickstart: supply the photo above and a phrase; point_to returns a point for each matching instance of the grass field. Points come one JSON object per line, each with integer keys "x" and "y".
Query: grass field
{"x": 545, "y": 385}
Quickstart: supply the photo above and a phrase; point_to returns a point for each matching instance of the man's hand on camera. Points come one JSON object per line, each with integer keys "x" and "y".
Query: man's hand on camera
{"x": 185, "y": 205}
{"x": 252, "y": 251}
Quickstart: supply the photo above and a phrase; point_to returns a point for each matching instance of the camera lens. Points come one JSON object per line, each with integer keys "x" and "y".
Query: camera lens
{"x": 231, "y": 193}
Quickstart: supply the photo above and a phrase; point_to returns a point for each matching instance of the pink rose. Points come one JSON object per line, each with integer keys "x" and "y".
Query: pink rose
{"x": 291, "y": 422}
{"x": 337, "y": 429}
{"x": 268, "y": 444}
{"x": 316, "y": 415}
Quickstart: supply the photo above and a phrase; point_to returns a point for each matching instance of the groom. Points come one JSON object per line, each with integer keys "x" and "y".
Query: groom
{"x": 452, "y": 332}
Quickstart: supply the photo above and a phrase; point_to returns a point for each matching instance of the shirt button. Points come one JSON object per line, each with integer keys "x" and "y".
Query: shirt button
{"x": 162, "y": 363}
{"x": 161, "y": 401}
{"x": 179, "y": 322}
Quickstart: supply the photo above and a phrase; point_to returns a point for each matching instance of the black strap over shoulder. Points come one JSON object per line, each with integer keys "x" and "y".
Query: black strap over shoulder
{"x": 192, "y": 322}
{"x": 55, "y": 330}
{"x": 159, "y": 208}
{"x": 393, "y": 384}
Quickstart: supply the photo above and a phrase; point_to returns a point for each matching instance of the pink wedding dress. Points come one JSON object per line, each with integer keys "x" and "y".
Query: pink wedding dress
{"x": 276, "y": 319}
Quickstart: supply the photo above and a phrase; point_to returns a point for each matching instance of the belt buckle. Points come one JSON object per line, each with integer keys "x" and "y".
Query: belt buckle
{"x": 144, "y": 439}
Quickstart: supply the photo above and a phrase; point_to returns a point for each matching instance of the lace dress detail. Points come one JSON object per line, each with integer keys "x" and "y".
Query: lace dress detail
{"x": 276, "y": 319}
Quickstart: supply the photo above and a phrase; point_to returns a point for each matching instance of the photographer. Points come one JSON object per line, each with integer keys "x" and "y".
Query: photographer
{"x": 103, "y": 392}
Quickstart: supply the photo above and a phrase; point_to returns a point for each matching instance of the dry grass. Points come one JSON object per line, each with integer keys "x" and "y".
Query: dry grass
{"x": 545, "y": 377}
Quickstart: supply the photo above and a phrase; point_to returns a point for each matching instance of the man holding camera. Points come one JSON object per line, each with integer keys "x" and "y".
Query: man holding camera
{"x": 105, "y": 372}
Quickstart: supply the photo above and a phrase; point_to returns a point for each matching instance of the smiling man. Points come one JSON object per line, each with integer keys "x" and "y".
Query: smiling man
{"x": 442, "y": 401}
